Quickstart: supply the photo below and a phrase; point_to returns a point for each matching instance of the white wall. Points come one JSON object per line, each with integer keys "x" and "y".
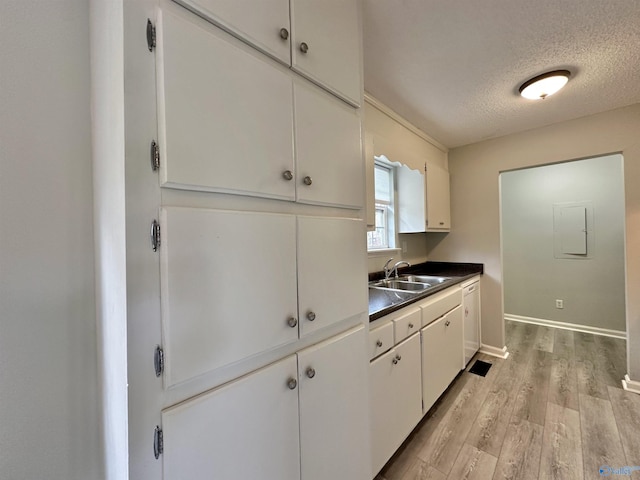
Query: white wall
{"x": 475, "y": 205}
{"x": 591, "y": 287}
{"x": 49, "y": 425}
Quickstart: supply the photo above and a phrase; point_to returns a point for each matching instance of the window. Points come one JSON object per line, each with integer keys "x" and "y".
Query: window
{"x": 384, "y": 234}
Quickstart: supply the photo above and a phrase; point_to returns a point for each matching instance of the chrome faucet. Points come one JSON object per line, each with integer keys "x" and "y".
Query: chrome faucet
{"x": 388, "y": 271}
{"x": 395, "y": 267}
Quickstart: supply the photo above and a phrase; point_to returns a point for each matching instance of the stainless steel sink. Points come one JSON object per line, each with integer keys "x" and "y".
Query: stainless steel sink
{"x": 401, "y": 284}
{"x": 433, "y": 280}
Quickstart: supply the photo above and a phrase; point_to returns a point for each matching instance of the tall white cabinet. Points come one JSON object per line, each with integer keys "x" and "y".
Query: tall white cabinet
{"x": 246, "y": 250}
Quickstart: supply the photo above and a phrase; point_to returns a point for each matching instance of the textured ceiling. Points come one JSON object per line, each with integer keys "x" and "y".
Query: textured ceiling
{"x": 453, "y": 67}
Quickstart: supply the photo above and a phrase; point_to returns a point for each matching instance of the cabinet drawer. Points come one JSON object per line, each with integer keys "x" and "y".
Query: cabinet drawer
{"x": 406, "y": 325}
{"x": 380, "y": 340}
{"x": 440, "y": 304}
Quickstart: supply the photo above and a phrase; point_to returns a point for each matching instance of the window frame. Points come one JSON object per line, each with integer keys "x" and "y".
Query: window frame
{"x": 388, "y": 206}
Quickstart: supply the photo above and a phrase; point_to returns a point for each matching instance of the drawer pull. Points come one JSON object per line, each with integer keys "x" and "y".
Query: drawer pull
{"x": 394, "y": 361}
{"x": 411, "y": 325}
{"x": 284, "y": 33}
{"x": 292, "y": 383}
{"x": 311, "y": 372}
{"x": 447, "y": 323}
{"x": 398, "y": 357}
{"x": 379, "y": 343}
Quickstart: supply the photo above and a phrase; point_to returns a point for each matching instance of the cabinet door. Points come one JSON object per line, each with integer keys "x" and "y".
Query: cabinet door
{"x": 328, "y": 149}
{"x": 228, "y": 287}
{"x": 396, "y": 399}
{"x": 412, "y": 206}
{"x": 438, "y": 199}
{"x": 225, "y": 115}
{"x": 247, "y": 429}
{"x": 332, "y": 271}
{"x": 331, "y": 31}
{"x": 442, "y": 355}
{"x": 258, "y": 23}
{"x": 334, "y": 417}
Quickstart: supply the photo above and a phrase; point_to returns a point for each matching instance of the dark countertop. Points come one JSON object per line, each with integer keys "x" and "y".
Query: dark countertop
{"x": 383, "y": 302}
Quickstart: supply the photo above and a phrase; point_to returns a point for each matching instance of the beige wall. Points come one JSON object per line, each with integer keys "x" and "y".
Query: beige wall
{"x": 475, "y": 205}
{"x": 49, "y": 392}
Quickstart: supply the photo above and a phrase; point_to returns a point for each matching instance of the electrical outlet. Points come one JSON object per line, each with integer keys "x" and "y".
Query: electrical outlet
{"x": 559, "y": 304}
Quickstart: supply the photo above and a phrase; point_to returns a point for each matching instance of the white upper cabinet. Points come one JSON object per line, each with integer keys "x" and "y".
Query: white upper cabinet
{"x": 423, "y": 199}
{"x": 231, "y": 286}
{"x": 318, "y": 39}
{"x": 263, "y": 23}
{"x": 438, "y": 199}
{"x": 218, "y": 128}
{"x": 328, "y": 149}
{"x": 332, "y": 271}
{"x": 231, "y": 129}
{"x": 326, "y": 45}
{"x": 228, "y": 287}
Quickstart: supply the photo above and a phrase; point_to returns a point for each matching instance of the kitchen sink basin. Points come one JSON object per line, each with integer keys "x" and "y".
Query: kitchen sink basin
{"x": 432, "y": 280}
{"x": 401, "y": 284}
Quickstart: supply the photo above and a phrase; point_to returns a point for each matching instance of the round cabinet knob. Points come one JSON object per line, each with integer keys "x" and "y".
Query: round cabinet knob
{"x": 379, "y": 343}
{"x": 304, "y": 48}
{"x": 447, "y": 323}
{"x": 293, "y": 322}
{"x": 394, "y": 361}
{"x": 287, "y": 175}
{"x": 311, "y": 372}
{"x": 466, "y": 312}
{"x": 398, "y": 357}
{"x": 284, "y": 33}
{"x": 307, "y": 180}
{"x": 292, "y": 383}
{"x": 411, "y": 325}
{"x": 311, "y": 316}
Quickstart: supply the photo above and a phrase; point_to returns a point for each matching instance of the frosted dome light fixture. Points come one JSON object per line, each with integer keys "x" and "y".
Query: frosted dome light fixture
{"x": 542, "y": 86}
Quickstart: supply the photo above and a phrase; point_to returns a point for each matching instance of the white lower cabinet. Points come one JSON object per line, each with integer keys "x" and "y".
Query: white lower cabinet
{"x": 334, "y": 422}
{"x": 245, "y": 429}
{"x": 303, "y": 417}
{"x": 442, "y": 355}
{"x": 396, "y": 398}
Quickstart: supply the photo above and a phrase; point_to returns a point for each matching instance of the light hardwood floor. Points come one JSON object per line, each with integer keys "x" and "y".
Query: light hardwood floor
{"x": 554, "y": 409}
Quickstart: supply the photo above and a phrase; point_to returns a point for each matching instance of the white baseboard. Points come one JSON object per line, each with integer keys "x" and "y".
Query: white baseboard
{"x": 494, "y": 351}
{"x": 568, "y": 326}
{"x": 631, "y": 385}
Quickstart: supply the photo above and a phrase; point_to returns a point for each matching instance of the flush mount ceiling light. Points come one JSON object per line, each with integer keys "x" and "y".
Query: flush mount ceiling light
{"x": 542, "y": 86}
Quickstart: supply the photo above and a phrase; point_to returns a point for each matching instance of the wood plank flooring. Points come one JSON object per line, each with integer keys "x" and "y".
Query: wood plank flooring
{"x": 553, "y": 410}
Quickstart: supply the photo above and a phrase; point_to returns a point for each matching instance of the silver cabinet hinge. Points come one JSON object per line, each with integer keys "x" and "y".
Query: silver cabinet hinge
{"x": 158, "y": 442}
{"x": 155, "y": 235}
{"x": 158, "y": 360}
{"x": 151, "y": 35}
{"x": 155, "y": 156}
